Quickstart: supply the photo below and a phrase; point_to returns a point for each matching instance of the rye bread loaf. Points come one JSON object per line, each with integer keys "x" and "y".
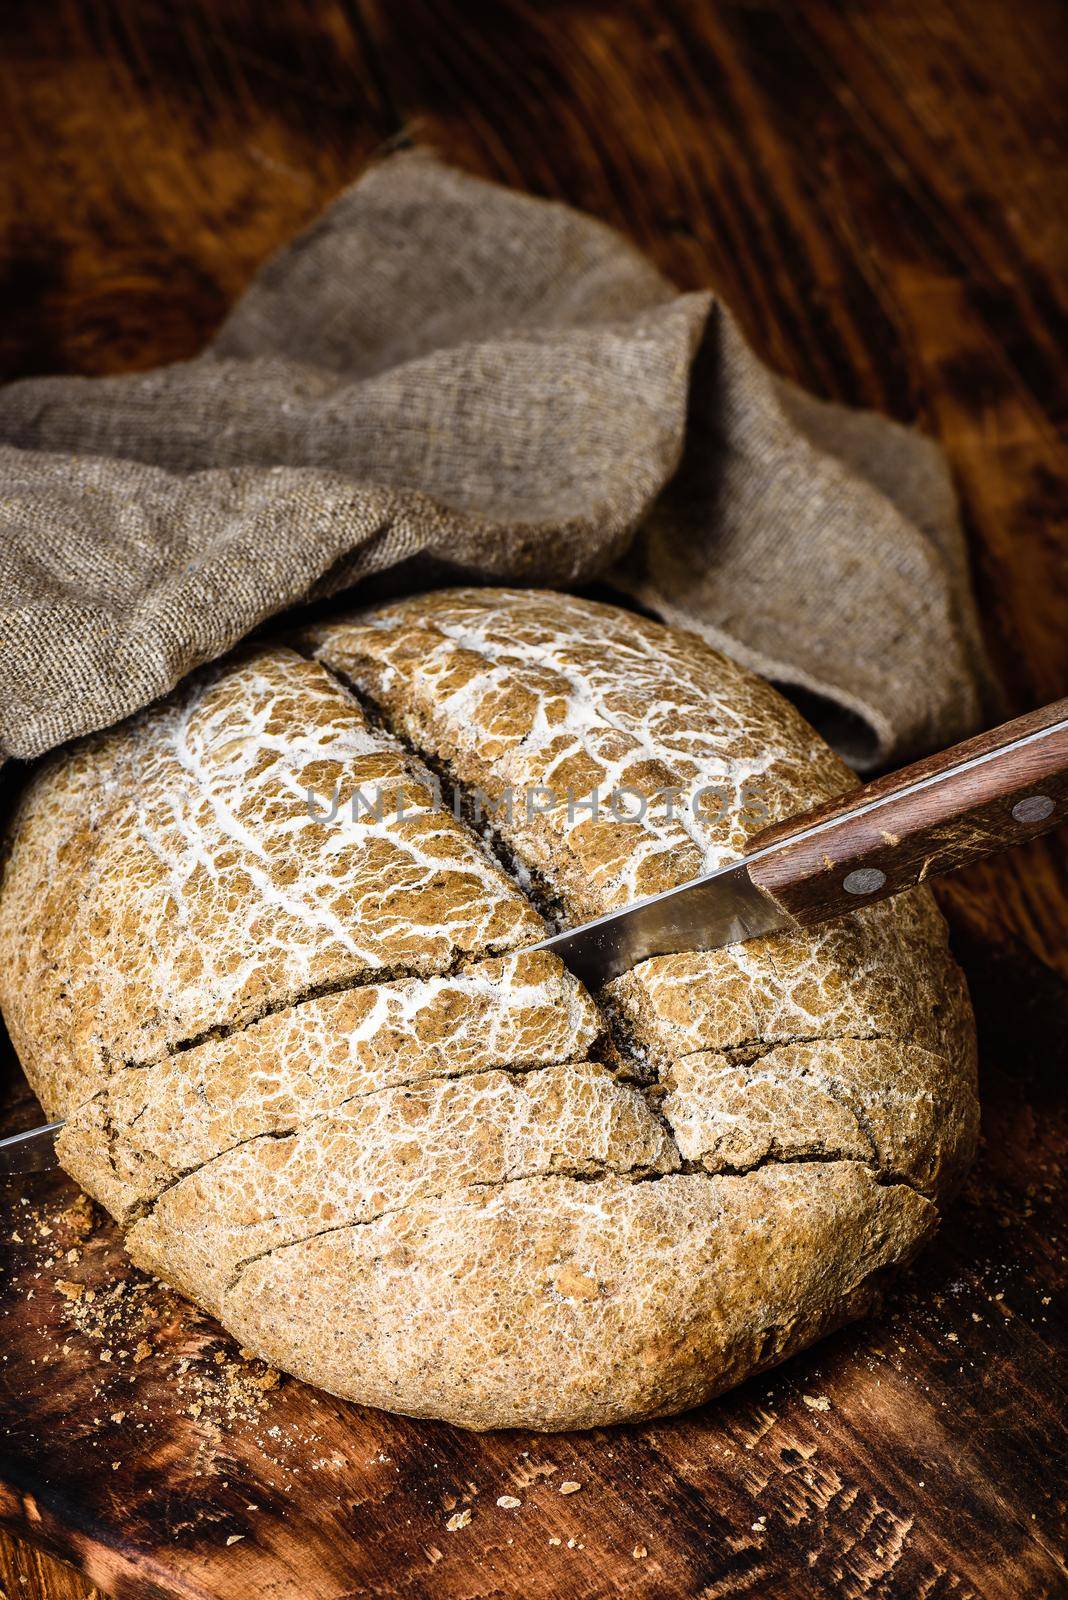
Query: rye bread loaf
{"x": 309, "y": 1066}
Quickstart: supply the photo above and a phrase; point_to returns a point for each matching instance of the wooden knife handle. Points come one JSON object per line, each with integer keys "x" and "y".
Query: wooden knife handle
{"x": 973, "y": 800}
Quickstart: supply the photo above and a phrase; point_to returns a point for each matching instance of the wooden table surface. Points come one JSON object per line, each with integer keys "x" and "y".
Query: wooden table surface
{"x": 881, "y": 194}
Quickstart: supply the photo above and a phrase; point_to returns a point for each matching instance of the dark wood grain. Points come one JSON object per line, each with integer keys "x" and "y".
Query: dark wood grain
{"x": 880, "y": 192}
{"x": 930, "y": 818}
{"x": 25, "y": 1570}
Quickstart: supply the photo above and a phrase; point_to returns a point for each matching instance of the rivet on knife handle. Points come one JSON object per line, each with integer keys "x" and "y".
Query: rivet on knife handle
{"x": 973, "y": 800}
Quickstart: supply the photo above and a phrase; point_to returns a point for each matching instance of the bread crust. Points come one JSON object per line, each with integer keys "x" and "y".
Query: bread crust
{"x": 310, "y": 1067}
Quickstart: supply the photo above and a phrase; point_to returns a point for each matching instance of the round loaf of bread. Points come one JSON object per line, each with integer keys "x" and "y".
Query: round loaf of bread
{"x": 279, "y": 985}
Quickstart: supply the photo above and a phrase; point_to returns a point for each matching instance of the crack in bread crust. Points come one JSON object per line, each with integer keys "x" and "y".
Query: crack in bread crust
{"x": 524, "y": 876}
{"x": 633, "y": 1176}
{"x": 117, "y": 1139}
{"x": 622, "y": 1299}
{"x": 516, "y": 1012}
{"x": 380, "y": 1152}
{"x": 222, "y": 1031}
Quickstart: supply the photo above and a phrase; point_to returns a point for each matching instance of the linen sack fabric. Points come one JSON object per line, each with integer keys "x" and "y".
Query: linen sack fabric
{"x": 442, "y": 378}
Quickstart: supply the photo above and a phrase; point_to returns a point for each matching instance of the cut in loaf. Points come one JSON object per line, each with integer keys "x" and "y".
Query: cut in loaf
{"x": 312, "y": 1068}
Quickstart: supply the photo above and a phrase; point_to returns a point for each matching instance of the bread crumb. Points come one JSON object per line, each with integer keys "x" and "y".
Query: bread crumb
{"x": 79, "y": 1216}
{"x": 509, "y": 1502}
{"x": 235, "y": 1538}
{"x": 639, "y": 1552}
{"x": 570, "y": 1487}
{"x": 458, "y": 1520}
{"x": 69, "y": 1290}
{"x": 816, "y": 1402}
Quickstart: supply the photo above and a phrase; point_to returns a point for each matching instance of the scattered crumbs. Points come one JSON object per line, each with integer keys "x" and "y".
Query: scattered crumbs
{"x": 816, "y": 1402}
{"x": 1045, "y": 1299}
{"x": 760, "y": 1525}
{"x": 117, "y": 1416}
{"x": 125, "y": 1320}
{"x": 251, "y": 1507}
{"x": 639, "y": 1552}
{"x": 952, "y": 1337}
{"x": 111, "y": 1314}
{"x": 115, "y": 1465}
{"x": 569, "y": 1486}
{"x": 235, "y": 1538}
{"x": 458, "y": 1520}
{"x": 232, "y": 1390}
{"x": 553, "y": 1539}
{"x": 80, "y": 1217}
{"x": 509, "y": 1502}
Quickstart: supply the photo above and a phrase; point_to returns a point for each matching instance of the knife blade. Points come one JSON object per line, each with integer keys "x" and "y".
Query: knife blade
{"x": 725, "y": 907}
{"x": 971, "y": 801}
{"x": 31, "y": 1151}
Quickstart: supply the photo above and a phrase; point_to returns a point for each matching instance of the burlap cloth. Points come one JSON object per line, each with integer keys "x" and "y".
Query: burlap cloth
{"x": 443, "y": 378}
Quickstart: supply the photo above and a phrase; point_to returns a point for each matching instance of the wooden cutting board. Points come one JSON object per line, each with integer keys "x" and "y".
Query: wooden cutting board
{"x": 915, "y": 1455}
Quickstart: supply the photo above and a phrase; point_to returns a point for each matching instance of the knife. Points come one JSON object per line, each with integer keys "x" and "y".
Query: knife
{"x": 32, "y": 1151}
{"x": 970, "y": 801}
